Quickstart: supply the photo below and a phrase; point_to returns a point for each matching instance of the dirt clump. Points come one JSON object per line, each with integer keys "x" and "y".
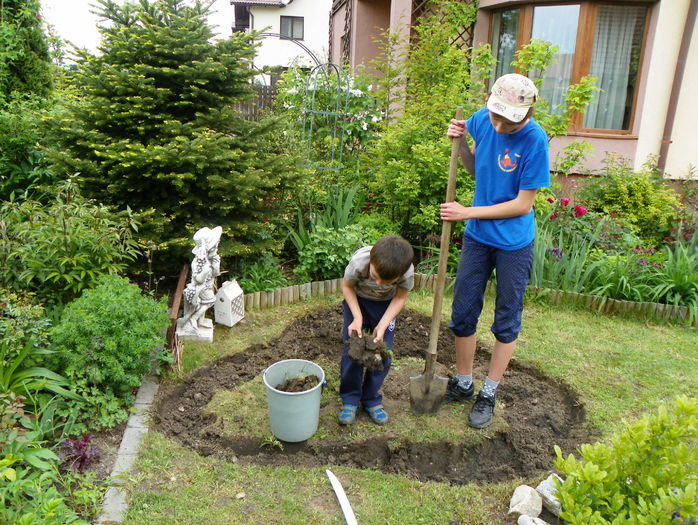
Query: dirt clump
{"x": 535, "y": 411}
{"x": 299, "y": 384}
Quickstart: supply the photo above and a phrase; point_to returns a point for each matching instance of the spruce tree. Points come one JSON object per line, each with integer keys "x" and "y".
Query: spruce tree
{"x": 155, "y": 129}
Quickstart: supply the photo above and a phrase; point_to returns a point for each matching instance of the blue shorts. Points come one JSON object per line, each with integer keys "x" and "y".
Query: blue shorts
{"x": 475, "y": 267}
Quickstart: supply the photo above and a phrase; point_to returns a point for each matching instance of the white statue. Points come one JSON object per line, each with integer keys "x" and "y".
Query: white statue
{"x": 199, "y": 295}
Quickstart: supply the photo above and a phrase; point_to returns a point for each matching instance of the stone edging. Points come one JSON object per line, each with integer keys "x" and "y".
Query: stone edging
{"x": 114, "y": 505}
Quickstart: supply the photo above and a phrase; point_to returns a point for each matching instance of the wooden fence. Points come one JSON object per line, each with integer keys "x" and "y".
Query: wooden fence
{"x": 263, "y": 101}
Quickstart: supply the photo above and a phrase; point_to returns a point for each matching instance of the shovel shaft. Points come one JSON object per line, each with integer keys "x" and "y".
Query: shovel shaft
{"x": 443, "y": 258}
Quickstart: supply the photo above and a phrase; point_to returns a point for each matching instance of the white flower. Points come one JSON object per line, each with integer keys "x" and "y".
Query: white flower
{"x": 292, "y": 91}
{"x": 356, "y": 92}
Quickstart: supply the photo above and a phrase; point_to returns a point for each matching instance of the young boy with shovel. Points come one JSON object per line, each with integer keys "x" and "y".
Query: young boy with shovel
{"x": 509, "y": 162}
{"x": 375, "y": 286}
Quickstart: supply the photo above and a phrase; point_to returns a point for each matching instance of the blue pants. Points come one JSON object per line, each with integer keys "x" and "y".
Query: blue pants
{"x": 476, "y": 263}
{"x": 357, "y": 385}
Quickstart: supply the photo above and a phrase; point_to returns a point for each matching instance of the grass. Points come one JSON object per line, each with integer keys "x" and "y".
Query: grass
{"x": 620, "y": 368}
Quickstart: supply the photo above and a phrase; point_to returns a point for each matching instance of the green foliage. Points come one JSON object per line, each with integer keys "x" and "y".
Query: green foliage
{"x": 641, "y": 198}
{"x": 532, "y": 59}
{"x": 28, "y": 495}
{"x": 329, "y": 113}
{"x": 23, "y": 166}
{"x": 25, "y": 64}
{"x": 340, "y": 209}
{"x": 572, "y": 157}
{"x": 155, "y": 129}
{"x": 407, "y": 169}
{"x": 263, "y": 275}
{"x": 104, "y": 342}
{"x": 646, "y": 475}
{"x": 20, "y": 322}
{"x": 60, "y": 249}
{"x": 328, "y": 252}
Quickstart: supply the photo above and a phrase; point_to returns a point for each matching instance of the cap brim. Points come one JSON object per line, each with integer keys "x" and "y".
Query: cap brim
{"x": 509, "y": 112}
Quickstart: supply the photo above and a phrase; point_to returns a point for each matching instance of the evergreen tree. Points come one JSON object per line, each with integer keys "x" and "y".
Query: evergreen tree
{"x": 25, "y": 63}
{"x": 155, "y": 129}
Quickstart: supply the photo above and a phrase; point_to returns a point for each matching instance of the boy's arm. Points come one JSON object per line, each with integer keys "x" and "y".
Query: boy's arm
{"x": 396, "y": 305}
{"x": 353, "y": 303}
{"x": 521, "y": 205}
{"x": 457, "y": 129}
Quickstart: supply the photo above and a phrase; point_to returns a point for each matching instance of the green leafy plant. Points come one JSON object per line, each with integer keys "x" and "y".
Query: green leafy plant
{"x": 104, "y": 342}
{"x": 645, "y": 475}
{"x": 263, "y": 275}
{"x": 641, "y": 198}
{"x": 328, "y": 252}
{"x": 60, "y": 249}
{"x": 20, "y": 322}
{"x": 271, "y": 442}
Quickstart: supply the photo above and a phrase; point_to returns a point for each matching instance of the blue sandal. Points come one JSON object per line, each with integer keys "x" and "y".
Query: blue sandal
{"x": 377, "y": 414}
{"x": 347, "y": 414}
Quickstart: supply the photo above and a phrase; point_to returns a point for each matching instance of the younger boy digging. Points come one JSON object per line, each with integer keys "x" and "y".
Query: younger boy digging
{"x": 375, "y": 286}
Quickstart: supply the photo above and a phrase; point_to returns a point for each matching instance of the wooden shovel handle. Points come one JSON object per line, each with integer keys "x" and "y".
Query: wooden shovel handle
{"x": 443, "y": 257}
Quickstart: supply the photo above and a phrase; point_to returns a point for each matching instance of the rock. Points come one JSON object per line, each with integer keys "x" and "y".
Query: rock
{"x": 528, "y": 520}
{"x": 548, "y": 493}
{"x": 526, "y": 501}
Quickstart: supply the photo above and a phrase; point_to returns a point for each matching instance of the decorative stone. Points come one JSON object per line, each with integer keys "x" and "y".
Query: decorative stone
{"x": 548, "y": 492}
{"x": 198, "y": 294}
{"x": 230, "y": 304}
{"x": 526, "y": 501}
{"x": 528, "y": 520}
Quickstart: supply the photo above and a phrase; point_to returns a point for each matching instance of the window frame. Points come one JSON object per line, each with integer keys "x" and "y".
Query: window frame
{"x": 581, "y": 65}
{"x": 291, "y": 19}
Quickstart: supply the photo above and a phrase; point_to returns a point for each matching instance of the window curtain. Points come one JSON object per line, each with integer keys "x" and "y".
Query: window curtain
{"x": 613, "y": 63}
{"x": 505, "y": 28}
{"x": 557, "y": 25}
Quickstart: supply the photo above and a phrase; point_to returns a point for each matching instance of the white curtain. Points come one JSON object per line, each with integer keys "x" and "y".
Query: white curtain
{"x": 616, "y": 32}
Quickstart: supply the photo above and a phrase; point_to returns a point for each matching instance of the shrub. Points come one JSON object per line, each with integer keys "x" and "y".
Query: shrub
{"x": 58, "y": 250}
{"x": 20, "y": 322}
{"x": 104, "y": 342}
{"x": 646, "y": 475}
{"x": 328, "y": 252}
{"x": 640, "y": 198}
{"x": 263, "y": 275}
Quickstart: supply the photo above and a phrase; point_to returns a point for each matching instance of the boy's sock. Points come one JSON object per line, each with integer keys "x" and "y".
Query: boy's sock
{"x": 464, "y": 381}
{"x": 489, "y": 388}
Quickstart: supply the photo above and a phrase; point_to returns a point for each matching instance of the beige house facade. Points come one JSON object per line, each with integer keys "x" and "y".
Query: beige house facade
{"x": 644, "y": 54}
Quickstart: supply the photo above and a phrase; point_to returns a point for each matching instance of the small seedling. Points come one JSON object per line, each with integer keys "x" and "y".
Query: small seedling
{"x": 271, "y": 442}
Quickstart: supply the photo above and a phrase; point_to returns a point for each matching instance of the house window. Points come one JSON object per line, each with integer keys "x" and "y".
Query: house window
{"x": 599, "y": 39}
{"x": 292, "y": 27}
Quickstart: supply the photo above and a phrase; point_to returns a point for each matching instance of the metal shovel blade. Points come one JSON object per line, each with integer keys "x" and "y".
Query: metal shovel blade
{"x": 425, "y": 395}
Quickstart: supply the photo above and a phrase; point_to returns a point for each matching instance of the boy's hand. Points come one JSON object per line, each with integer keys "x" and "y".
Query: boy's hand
{"x": 452, "y": 211}
{"x": 355, "y": 327}
{"x": 379, "y": 333}
{"x": 456, "y": 129}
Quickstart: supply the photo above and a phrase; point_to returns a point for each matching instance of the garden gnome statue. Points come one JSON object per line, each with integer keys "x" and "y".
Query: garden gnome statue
{"x": 199, "y": 295}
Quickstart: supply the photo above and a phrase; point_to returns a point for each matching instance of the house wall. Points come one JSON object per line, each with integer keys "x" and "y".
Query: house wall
{"x": 375, "y": 17}
{"x": 337, "y": 22}
{"x": 682, "y": 155}
{"x": 277, "y": 52}
{"x": 663, "y": 41}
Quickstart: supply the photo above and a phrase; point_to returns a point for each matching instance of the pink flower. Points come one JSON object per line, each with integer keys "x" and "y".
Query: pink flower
{"x": 565, "y": 201}
{"x": 580, "y": 211}
{"x": 551, "y": 200}
{"x": 553, "y": 216}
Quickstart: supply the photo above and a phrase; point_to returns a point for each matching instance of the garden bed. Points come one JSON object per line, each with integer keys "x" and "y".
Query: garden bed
{"x": 534, "y": 412}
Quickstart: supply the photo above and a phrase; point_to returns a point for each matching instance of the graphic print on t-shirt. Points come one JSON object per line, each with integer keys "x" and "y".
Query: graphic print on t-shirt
{"x": 506, "y": 163}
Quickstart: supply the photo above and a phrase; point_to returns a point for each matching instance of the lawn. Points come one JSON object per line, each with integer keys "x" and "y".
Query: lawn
{"x": 619, "y": 368}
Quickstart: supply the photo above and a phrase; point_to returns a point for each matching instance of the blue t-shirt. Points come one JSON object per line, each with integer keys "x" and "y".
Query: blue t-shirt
{"x": 505, "y": 164}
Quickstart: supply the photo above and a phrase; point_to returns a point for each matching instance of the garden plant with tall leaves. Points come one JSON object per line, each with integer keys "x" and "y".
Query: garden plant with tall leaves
{"x": 155, "y": 129}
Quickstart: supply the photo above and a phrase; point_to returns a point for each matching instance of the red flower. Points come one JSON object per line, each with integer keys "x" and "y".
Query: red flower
{"x": 551, "y": 200}
{"x": 553, "y": 216}
{"x": 580, "y": 211}
{"x": 565, "y": 201}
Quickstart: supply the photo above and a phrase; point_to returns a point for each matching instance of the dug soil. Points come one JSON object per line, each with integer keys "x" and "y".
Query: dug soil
{"x": 538, "y": 412}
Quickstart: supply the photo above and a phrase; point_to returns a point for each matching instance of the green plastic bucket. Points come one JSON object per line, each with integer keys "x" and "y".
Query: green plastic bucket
{"x": 293, "y": 416}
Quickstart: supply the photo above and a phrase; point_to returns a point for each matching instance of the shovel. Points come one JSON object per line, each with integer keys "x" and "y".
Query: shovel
{"x": 427, "y": 390}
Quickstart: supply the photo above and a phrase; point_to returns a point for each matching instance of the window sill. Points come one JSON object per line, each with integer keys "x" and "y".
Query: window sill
{"x": 602, "y": 135}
